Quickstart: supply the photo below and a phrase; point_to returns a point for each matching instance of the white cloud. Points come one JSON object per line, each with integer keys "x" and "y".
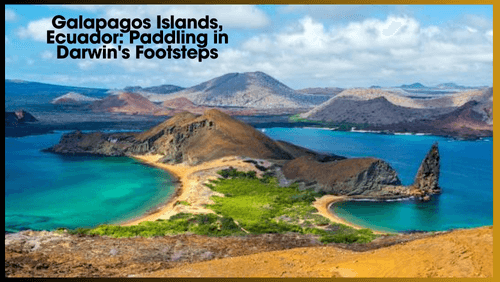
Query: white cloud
{"x": 36, "y": 30}
{"x": 307, "y": 51}
{"x": 489, "y": 35}
{"x": 47, "y": 55}
{"x": 89, "y": 8}
{"x": 10, "y": 15}
{"x": 360, "y": 52}
{"x": 85, "y": 64}
{"x": 230, "y": 16}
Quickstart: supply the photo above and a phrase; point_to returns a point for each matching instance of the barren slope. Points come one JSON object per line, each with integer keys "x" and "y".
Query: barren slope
{"x": 357, "y": 95}
{"x": 249, "y": 90}
{"x": 375, "y": 111}
{"x": 129, "y": 103}
{"x": 195, "y": 139}
{"x": 461, "y": 253}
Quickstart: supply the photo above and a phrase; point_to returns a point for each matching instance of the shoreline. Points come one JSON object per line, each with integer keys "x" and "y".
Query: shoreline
{"x": 323, "y": 205}
{"x": 190, "y": 189}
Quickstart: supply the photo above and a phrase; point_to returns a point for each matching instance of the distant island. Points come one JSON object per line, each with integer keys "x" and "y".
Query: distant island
{"x": 446, "y": 109}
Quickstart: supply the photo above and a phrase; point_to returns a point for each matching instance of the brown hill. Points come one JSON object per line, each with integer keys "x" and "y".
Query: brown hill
{"x": 463, "y": 122}
{"x": 195, "y": 139}
{"x": 176, "y": 103}
{"x": 128, "y": 103}
{"x": 460, "y": 253}
{"x": 377, "y": 111}
{"x": 357, "y": 176}
{"x": 463, "y": 117}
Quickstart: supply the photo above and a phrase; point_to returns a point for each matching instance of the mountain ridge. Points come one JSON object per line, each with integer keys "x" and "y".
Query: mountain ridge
{"x": 248, "y": 90}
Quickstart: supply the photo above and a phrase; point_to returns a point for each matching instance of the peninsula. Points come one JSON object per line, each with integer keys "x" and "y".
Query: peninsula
{"x": 195, "y": 147}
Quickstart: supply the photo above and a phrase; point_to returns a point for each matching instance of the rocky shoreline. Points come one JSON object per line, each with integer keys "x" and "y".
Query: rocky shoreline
{"x": 192, "y": 140}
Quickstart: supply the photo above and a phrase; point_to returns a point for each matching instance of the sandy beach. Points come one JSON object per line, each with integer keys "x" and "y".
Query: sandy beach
{"x": 194, "y": 195}
{"x": 323, "y": 206}
{"x": 191, "y": 190}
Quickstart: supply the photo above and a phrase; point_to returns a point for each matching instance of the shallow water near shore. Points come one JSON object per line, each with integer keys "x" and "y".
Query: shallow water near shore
{"x": 44, "y": 191}
{"x": 466, "y": 178}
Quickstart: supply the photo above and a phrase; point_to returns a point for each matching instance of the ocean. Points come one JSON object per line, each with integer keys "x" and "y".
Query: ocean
{"x": 466, "y": 178}
{"x": 44, "y": 191}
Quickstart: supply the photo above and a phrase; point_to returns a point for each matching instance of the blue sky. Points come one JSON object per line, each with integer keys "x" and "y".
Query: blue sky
{"x": 302, "y": 46}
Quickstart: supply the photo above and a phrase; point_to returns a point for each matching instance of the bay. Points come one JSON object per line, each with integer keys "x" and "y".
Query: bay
{"x": 44, "y": 191}
{"x": 466, "y": 178}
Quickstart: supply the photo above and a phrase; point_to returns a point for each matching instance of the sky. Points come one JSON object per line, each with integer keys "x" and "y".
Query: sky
{"x": 301, "y": 46}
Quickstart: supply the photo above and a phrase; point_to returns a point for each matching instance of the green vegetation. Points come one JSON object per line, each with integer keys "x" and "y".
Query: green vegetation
{"x": 261, "y": 206}
{"x": 251, "y": 205}
{"x": 184, "y": 203}
{"x": 202, "y": 224}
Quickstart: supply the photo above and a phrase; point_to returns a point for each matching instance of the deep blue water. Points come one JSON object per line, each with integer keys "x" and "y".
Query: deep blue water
{"x": 46, "y": 191}
{"x": 466, "y": 178}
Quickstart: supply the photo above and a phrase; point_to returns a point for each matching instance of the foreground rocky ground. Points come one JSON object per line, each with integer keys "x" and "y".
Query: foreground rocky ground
{"x": 461, "y": 253}
{"x": 50, "y": 254}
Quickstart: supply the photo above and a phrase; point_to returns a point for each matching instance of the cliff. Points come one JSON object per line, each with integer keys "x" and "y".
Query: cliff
{"x": 364, "y": 177}
{"x": 427, "y": 178}
{"x": 96, "y": 143}
{"x": 188, "y": 138}
{"x": 191, "y": 139}
{"x": 196, "y": 139}
{"x": 351, "y": 177}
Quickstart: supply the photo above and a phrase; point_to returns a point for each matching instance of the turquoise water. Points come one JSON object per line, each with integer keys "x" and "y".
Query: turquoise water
{"x": 466, "y": 178}
{"x": 44, "y": 191}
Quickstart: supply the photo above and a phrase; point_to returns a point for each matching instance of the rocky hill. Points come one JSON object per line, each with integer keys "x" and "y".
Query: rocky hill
{"x": 249, "y": 90}
{"x": 364, "y": 177}
{"x": 128, "y": 103}
{"x": 357, "y": 176}
{"x": 463, "y": 122}
{"x": 377, "y": 111}
{"x": 18, "y": 117}
{"x": 196, "y": 139}
{"x": 73, "y": 98}
{"x": 191, "y": 139}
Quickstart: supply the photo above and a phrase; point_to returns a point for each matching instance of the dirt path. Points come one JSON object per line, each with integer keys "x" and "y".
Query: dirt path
{"x": 462, "y": 253}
